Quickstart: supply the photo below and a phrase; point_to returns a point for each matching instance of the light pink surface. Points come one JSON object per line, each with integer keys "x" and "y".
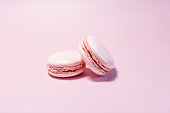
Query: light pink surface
{"x": 137, "y": 34}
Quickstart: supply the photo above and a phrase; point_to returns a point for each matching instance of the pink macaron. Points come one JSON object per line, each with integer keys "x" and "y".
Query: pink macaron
{"x": 96, "y": 55}
{"x": 65, "y": 64}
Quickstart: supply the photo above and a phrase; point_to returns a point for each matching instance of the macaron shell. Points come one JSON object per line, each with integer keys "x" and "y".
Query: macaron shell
{"x": 67, "y": 74}
{"x": 65, "y": 64}
{"x": 65, "y": 58}
{"x": 101, "y": 52}
{"x": 87, "y": 61}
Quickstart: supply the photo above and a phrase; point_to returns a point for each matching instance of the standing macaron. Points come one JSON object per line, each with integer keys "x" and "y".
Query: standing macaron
{"x": 65, "y": 64}
{"x": 96, "y": 56}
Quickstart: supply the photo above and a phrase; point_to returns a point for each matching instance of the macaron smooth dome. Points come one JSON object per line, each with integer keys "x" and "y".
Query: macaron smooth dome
{"x": 65, "y": 58}
{"x": 98, "y": 51}
{"x": 65, "y": 64}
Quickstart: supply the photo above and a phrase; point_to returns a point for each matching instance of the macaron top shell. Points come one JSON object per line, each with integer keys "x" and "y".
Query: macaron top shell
{"x": 101, "y": 52}
{"x": 65, "y": 58}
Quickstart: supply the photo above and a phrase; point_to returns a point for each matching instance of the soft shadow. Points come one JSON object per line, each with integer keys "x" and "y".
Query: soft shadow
{"x": 68, "y": 78}
{"x": 109, "y": 76}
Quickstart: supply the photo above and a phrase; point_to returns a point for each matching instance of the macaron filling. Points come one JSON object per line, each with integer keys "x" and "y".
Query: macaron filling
{"x": 93, "y": 58}
{"x": 64, "y": 69}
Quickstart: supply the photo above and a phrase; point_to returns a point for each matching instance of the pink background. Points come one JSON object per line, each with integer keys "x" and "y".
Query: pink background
{"x": 137, "y": 33}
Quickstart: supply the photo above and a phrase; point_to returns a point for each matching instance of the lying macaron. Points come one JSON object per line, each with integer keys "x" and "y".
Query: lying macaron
{"x": 96, "y": 56}
{"x": 65, "y": 64}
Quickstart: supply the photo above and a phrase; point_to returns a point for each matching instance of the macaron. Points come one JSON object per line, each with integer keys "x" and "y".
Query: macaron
{"x": 65, "y": 64}
{"x": 96, "y": 55}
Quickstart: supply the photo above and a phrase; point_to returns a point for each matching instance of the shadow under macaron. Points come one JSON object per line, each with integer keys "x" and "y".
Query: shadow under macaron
{"x": 109, "y": 76}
